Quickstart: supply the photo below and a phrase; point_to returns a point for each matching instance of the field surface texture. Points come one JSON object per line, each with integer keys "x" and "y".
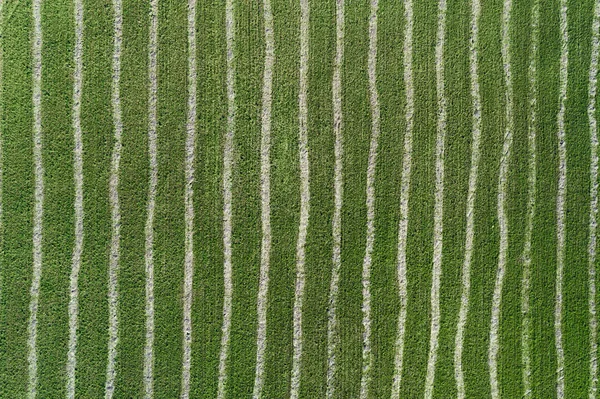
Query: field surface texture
{"x": 299, "y": 199}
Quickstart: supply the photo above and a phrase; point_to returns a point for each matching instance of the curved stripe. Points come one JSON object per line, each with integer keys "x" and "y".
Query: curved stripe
{"x": 79, "y": 214}
{"x": 502, "y": 217}
{"x": 227, "y": 199}
{"x": 265, "y": 192}
{"x": 38, "y": 212}
{"x": 332, "y": 320}
{"x": 560, "y": 202}
{"x": 471, "y": 194}
{"x": 593, "y": 86}
{"x": 304, "y": 200}
{"x": 367, "y": 355}
{"x": 404, "y": 196}
{"x": 113, "y": 267}
{"x": 190, "y": 159}
{"x": 438, "y": 236}
{"x": 531, "y": 194}
{"x": 149, "y": 230}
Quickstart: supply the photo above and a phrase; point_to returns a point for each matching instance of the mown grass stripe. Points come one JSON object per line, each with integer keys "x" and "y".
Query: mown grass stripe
{"x": 227, "y": 199}
{"x": 39, "y": 198}
{"x": 404, "y": 197}
{"x": 367, "y": 355}
{"x": 592, "y": 91}
{"x": 470, "y": 227}
{"x": 560, "y": 201}
{"x": 113, "y": 269}
{"x": 79, "y": 211}
{"x": 190, "y": 160}
{"x": 265, "y": 192}
{"x": 304, "y": 200}
{"x": 439, "y": 201}
{"x": 494, "y": 345}
{"x": 531, "y": 196}
{"x": 151, "y": 204}
{"x": 332, "y": 319}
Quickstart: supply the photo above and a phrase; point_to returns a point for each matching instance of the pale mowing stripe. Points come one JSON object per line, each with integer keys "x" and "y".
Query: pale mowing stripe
{"x": 367, "y": 355}
{"x": 304, "y": 200}
{"x": 404, "y": 196}
{"x": 79, "y": 213}
{"x": 1, "y": 140}
{"x": 332, "y": 320}
{"x": 190, "y": 159}
{"x": 38, "y": 212}
{"x": 227, "y": 199}
{"x": 531, "y": 194}
{"x": 113, "y": 266}
{"x": 265, "y": 192}
{"x": 502, "y": 217}
{"x": 153, "y": 182}
{"x": 438, "y": 229}
{"x": 560, "y": 202}
{"x": 592, "y": 87}
{"x": 470, "y": 227}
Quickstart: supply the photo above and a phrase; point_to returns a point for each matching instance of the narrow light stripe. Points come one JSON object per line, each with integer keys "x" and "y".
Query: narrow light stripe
{"x": 227, "y": 199}
{"x": 190, "y": 159}
{"x": 438, "y": 229}
{"x": 560, "y": 202}
{"x": 1, "y": 140}
{"x": 304, "y": 200}
{"x": 153, "y": 182}
{"x": 502, "y": 218}
{"x": 404, "y": 196}
{"x": 79, "y": 212}
{"x": 332, "y": 320}
{"x": 531, "y": 194}
{"x": 367, "y": 355}
{"x": 113, "y": 267}
{"x": 592, "y": 87}
{"x": 470, "y": 215}
{"x": 38, "y": 213}
{"x": 265, "y": 192}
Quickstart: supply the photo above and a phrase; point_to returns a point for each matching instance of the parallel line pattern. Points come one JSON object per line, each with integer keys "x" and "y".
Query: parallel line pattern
{"x": 151, "y": 205}
{"x": 404, "y": 197}
{"x": 79, "y": 211}
{"x": 560, "y": 201}
{"x": 304, "y": 200}
{"x": 332, "y": 318}
{"x": 38, "y": 213}
{"x": 471, "y": 194}
{"x": 190, "y": 160}
{"x": 526, "y": 327}
{"x": 265, "y": 192}
{"x": 438, "y": 229}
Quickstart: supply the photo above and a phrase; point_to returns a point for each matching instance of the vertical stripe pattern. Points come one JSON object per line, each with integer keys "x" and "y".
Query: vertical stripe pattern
{"x": 592, "y": 89}
{"x": 560, "y": 202}
{"x": 151, "y": 204}
{"x": 227, "y": 199}
{"x": 470, "y": 214}
{"x": 78, "y": 177}
{"x": 531, "y": 197}
{"x": 190, "y": 160}
{"x": 265, "y": 191}
{"x": 438, "y": 236}
{"x": 304, "y": 200}
{"x": 38, "y": 212}
{"x": 404, "y": 196}
{"x": 332, "y": 320}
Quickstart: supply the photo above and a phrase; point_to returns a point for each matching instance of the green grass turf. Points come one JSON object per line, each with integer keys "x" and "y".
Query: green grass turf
{"x": 18, "y": 185}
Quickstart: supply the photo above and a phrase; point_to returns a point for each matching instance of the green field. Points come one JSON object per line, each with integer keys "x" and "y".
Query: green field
{"x": 304, "y": 199}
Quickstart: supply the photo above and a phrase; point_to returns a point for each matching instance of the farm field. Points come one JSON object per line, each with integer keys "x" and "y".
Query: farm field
{"x": 299, "y": 199}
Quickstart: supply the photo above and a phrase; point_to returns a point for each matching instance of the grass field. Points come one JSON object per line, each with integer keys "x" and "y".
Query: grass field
{"x": 303, "y": 199}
